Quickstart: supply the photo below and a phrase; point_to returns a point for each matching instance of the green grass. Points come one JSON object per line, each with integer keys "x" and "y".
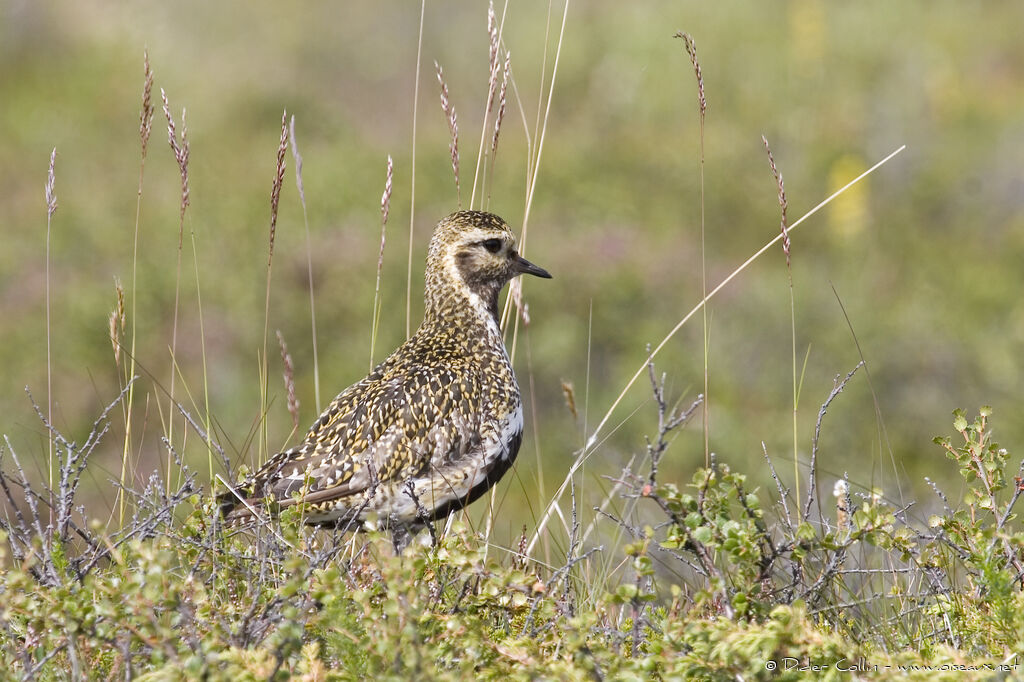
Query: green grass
{"x": 713, "y": 580}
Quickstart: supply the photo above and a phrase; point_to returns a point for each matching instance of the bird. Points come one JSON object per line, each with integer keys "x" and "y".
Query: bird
{"x": 432, "y": 427}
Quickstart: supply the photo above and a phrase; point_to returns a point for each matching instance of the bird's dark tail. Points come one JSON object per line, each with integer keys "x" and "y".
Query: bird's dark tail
{"x": 235, "y": 504}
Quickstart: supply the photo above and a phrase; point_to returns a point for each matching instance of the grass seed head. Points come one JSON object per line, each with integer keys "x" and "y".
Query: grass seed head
{"x": 51, "y": 182}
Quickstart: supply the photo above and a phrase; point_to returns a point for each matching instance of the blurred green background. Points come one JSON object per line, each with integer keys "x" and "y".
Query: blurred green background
{"x": 925, "y": 254}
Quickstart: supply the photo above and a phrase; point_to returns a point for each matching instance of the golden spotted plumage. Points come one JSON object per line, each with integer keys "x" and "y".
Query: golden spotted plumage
{"x": 433, "y": 426}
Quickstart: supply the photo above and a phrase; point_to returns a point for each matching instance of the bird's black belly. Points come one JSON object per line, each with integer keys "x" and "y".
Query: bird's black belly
{"x": 501, "y": 466}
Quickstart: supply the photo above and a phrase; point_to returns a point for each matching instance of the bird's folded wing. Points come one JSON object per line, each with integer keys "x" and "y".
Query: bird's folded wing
{"x": 375, "y": 431}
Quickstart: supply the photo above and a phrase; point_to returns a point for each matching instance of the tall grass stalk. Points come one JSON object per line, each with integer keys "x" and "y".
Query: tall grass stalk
{"x": 786, "y": 246}
{"x": 533, "y": 169}
{"x": 593, "y": 440}
{"x": 385, "y": 209}
{"x": 541, "y": 134}
{"x": 412, "y": 175}
{"x": 180, "y": 148}
{"x": 145, "y": 128}
{"x": 702, "y": 103}
{"x": 289, "y": 384}
{"x": 499, "y": 117}
{"x": 494, "y": 28}
{"x": 453, "y": 129}
{"x": 533, "y": 166}
{"x": 202, "y": 352}
{"x": 297, "y": 157}
{"x": 51, "y": 208}
{"x": 275, "y": 200}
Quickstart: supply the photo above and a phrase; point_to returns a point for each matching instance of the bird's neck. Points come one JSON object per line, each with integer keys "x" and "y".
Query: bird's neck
{"x": 449, "y": 290}
{"x": 453, "y": 302}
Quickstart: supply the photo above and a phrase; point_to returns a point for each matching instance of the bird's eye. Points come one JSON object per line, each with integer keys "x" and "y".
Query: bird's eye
{"x": 492, "y": 245}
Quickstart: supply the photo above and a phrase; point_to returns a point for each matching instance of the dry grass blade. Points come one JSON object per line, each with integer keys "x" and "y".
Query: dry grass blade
{"x": 51, "y": 182}
{"x": 275, "y": 200}
{"x": 146, "y": 114}
{"x": 385, "y": 200}
{"x": 51, "y": 208}
{"x": 297, "y": 157}
{"x": 181, "y": 156}
{"x": 515, "y": 290}
{"x": 289, "y": 381}
{"x": 498, "y": 119}
{"x": 115, "y": 339}
{"x": 534, "y": 163}
{"x": 492, "y": 35}
{"x": 691, "y": 50}
{"x": 453, "y": 128}
{"x": 480, "y": 172}
{"x": 293, "y": 142}
{"x": 145, "y": 128}
{"x": 385, "y": 209}
{"x": 181, "y": 152}
{"x": 570, "y": 398}
{"x": 117, "y": 322}
{"x": 783, "y": 204}
{"x": 412, "y": 174}
{"x": 275, "y": 189}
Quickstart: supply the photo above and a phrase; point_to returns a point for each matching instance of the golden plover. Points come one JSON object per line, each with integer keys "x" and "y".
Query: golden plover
{"x": 433, "y": 426}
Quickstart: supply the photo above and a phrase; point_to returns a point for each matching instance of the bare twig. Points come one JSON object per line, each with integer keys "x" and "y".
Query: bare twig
{"x": 783, "y": 492}
{"x": 837, "y": 388}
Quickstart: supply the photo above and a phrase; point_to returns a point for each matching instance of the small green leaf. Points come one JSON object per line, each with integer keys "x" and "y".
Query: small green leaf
{"x": 702, "y": 535}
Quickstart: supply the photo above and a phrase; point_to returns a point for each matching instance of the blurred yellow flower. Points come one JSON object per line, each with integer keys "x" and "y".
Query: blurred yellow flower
{"x": 807, "y": 31}
{"x": 848, "y": 212}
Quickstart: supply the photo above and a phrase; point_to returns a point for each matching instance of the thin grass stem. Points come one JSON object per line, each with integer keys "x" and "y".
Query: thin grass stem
{"x": 297, "y": 157}
{"x": 494, "y": 29}
{"x": 385, "y": 209}
{"x": 702, "y": 105}
{"x": 412, "y": 173}
{"x": 145, "y": 128}
{"x": 593, "y": 440}
{"x": 275, "y": 200}
{"x": 207, "y": 417}
{"x": 786, "y": 249}
{"x": 51, "y": 208}
{"x": 180, "y": 148}
{"x": 721, "y": 285}
{"x": 534, "y": 167}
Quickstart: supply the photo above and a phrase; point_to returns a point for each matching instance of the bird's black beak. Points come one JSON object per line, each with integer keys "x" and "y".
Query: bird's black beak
{"x": 525, "y": 267}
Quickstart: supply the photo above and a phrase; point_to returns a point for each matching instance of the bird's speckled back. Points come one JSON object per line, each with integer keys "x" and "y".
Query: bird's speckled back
{"x": 433, "y": 425}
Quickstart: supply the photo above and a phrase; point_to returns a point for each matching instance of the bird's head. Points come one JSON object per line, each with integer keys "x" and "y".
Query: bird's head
{"x": 475, "y": 252}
